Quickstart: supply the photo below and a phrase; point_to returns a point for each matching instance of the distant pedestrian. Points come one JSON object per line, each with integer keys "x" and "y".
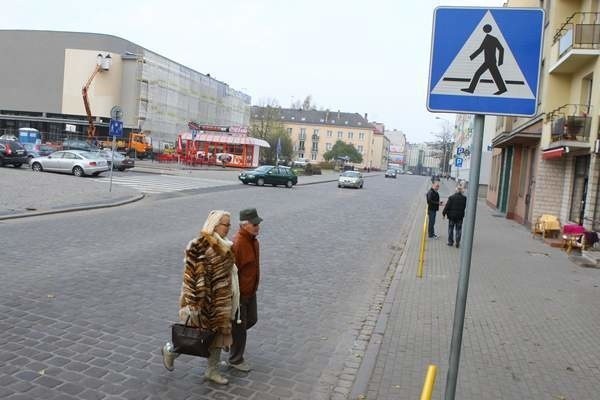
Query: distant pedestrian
{"x": 210, "y": 291}
{"x": 433, "y": 205}
{"x": 455, "y": 211}
{"x": 246, "y": 249}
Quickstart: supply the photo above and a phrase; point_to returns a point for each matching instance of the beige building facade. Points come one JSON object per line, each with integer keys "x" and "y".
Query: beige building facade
{"x": 549, "y": 164}
{"x": 315, "y": 132}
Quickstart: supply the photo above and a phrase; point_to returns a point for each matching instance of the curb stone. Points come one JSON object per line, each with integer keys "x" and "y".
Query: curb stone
{"x": 74, "y": 209}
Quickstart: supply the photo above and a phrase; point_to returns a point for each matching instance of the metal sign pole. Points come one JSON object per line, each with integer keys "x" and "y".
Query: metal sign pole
{"x": 465, "y": 259}
{"x": 112, "y": 160}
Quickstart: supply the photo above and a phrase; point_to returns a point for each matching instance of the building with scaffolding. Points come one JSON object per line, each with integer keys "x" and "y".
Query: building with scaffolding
{"x": 43, "y": 72}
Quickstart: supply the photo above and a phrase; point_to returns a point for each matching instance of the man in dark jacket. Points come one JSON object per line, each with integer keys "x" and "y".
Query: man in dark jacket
{"x": 455, "y": 211}
{"x": 433, "y": 205}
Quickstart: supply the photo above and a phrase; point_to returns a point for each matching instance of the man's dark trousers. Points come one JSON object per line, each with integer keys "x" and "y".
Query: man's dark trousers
{"x": 431, "y": 215}
{"x": 248, "y": 315}
{"x": 454, "y": 226}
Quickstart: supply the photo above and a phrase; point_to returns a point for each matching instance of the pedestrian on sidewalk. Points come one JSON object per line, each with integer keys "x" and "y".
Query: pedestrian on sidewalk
{"x": 246, "y": 249}
{"x": 455, "y": 211}
{"x": 433, "y": 205}
{"x": 210, "y": 291}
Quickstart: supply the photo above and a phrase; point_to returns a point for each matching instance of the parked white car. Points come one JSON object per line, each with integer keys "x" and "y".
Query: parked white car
{"x": 300, "y": 162}
{"x": 76, "y": 162}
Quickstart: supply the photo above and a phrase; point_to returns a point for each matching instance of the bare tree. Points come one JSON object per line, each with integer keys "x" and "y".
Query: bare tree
{"x": 268, "y": 121}
{"x": 443, "y": 145}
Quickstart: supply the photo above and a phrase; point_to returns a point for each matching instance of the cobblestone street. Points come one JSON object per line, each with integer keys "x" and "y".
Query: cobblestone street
{"x": 86, "y": 298}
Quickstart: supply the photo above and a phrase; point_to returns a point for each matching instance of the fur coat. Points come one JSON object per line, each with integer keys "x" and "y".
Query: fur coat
{"x": 206, "y": 292}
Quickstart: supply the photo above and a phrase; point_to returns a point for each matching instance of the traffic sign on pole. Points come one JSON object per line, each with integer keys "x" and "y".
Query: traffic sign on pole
{"x": 115, "y": 128}
{"x": 485, "y": 60}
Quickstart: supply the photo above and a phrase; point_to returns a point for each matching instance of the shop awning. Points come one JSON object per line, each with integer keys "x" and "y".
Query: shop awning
{"x": 553, "y": 154}
{"x": 225, "y": 138}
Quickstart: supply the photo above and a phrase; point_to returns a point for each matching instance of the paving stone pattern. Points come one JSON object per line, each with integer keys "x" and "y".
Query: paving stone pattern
{"x": 86, "y": 298}
{"x": 531, "y": 327}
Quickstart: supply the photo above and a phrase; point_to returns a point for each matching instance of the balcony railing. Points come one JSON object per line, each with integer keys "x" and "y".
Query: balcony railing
{"x": 571, "y": 122}
{"x": 580, "y": 31}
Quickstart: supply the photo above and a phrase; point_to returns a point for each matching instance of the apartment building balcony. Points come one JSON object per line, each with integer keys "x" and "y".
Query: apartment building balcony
{"x": 576, "y": 43}
{"x": 570, "y": 127}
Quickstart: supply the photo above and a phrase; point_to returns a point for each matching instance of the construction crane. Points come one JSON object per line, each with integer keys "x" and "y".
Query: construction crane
{"x": 102, "y": 64}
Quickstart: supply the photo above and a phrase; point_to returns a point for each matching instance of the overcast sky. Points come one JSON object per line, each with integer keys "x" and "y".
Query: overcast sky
{"x": 356, "y": 56}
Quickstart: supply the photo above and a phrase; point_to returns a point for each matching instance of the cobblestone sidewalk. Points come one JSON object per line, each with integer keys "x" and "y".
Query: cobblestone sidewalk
{"x": 531, "y": 325}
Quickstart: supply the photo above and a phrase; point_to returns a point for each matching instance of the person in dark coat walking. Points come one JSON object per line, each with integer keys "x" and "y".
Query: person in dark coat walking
{"x": 433, "y": 206}
{"x": 455, "y": 211}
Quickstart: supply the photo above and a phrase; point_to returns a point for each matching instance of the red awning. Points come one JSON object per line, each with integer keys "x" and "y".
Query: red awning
{"x": 553, "y": 154}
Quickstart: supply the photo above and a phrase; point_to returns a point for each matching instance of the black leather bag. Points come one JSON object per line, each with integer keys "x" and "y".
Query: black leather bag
{"x": 190, "y": 340}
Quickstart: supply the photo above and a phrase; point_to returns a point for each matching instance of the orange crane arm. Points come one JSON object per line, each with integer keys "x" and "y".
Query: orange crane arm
{"x": 91, "y": 130}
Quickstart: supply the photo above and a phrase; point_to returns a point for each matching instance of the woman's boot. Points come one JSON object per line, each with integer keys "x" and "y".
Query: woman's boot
{"x": 212, "y": 369}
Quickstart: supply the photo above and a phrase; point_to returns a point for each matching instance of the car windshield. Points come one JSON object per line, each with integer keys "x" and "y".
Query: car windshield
{"x": 263, "y": 169}
{"x": 393, "y": 171}
{"x": 351, "y": 174}
{"x": 88, "y": 155}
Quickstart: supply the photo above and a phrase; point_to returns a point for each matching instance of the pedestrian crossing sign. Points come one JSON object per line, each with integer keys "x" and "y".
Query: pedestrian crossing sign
{"x": 485, "y": 60}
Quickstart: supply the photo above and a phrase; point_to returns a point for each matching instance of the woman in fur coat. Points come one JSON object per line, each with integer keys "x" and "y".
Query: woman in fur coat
{"x": 210, "y": 290}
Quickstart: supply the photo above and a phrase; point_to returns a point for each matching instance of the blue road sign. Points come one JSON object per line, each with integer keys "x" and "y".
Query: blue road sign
{"x": 115, "y": 128}
{"x": 485, "y": 60}
{"x": 458, "y": 162}
{"x": 460, "y": 150}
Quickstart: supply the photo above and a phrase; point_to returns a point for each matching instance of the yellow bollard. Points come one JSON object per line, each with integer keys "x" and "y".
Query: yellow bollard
{"x": 429, "y": 383}
{"x": 422, "y": 251}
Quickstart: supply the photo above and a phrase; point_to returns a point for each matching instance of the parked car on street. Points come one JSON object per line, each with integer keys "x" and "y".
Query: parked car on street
{"x": 12, "y": 152}
{"x": 351, "y": 179}
{"x": 271, "y": 175}
{"x": 300, "y": 162}
{"x": 390, "y": 173}
{"x": 120, "y": 162}
{"x": 31, "y": 151}
{"x": 74, "y": 144}
{"x": 76, "y": 162}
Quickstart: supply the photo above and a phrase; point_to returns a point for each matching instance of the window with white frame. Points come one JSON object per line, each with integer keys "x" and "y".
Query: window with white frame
{"x": 350, "y": 135}
{"x": 328, "y": 146}
{"x": 289, "y": 131}
{"x": 361, "y": 135}
{"x": 340, "y": 134}
{"x": 329, "y": 133}
{"x": 360, "y": 149}
{"x": 313, "y": 156}
{"x": 302, "y": 134}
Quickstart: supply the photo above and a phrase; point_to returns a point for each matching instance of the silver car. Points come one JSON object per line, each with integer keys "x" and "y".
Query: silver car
{"x": 76, "y": 162}
{"x": 351, "y": 179}
{"x": 121, "y": 162}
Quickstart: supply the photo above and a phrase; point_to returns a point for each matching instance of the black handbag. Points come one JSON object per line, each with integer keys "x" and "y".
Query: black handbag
{"x": 191, "y": 340}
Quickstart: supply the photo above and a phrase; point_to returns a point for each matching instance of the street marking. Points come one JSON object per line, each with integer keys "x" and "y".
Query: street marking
{"x": 164, "y": 183}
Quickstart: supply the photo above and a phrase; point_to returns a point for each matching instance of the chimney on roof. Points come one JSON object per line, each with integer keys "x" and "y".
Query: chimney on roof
{"x": 326, "y": 115}
{"x": 338, "y": 114}
{"x": 366, "y": 117}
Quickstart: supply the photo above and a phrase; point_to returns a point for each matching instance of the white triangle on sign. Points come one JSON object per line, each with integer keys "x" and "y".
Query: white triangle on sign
{"x": 462, "y": 69}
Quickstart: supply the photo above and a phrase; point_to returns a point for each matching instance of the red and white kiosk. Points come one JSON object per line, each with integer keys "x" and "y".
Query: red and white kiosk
{"x": 219, "y": 145}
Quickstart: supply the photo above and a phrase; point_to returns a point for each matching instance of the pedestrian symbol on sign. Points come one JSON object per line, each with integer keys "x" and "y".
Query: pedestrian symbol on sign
{"x": 489, "y": 46}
